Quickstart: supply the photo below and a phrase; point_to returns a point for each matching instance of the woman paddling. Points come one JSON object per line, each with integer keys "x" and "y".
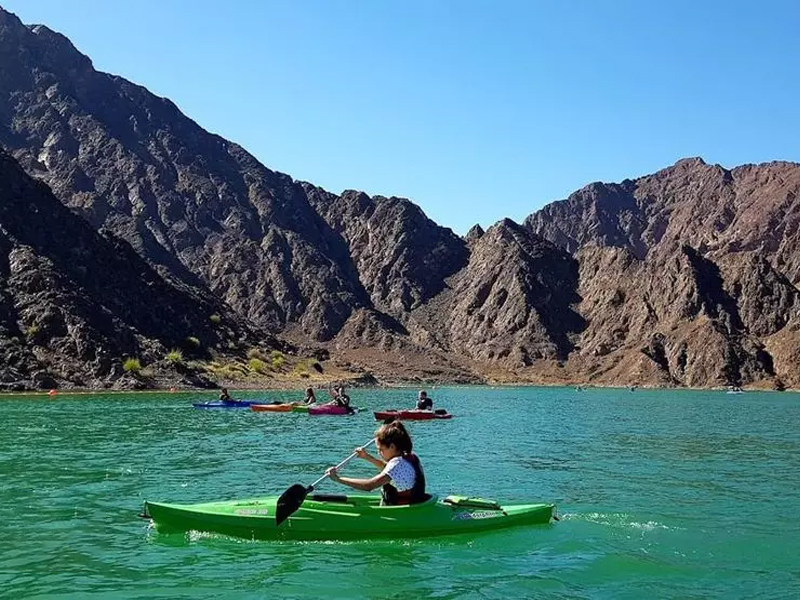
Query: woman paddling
{"x": 401, "y": 476}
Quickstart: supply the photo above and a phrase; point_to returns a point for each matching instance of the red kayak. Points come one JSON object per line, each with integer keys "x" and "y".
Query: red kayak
{"x": 413, "y": 415}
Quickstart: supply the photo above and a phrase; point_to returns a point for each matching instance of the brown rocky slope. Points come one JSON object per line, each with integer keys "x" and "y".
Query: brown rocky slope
{"x": 696, "y": 267}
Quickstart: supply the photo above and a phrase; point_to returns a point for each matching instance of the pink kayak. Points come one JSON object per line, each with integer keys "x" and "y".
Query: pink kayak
{"x": 330, "y": 409}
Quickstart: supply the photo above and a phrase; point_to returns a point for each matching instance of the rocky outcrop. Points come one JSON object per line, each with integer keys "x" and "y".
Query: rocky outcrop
{"x": 691, "y": 264}
{"x": 74, "y": 303}
{"x": 474, "y": 234}
{"x": 513, "y": 302}
{"x": 401, "y": 256}
{"x": 753, "y": 208}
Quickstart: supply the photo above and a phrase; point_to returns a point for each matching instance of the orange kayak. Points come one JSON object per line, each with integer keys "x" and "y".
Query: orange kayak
{"x": 271, "y": 407}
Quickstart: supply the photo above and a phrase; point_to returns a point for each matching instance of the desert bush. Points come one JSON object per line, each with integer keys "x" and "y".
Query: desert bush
{"x": 257, "y": 365}
{"x": 175, "y": 356}
{"x": 132, "y": 365}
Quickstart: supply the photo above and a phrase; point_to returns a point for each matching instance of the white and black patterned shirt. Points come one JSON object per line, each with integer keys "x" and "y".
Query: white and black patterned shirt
{"x": 401, "y": 472}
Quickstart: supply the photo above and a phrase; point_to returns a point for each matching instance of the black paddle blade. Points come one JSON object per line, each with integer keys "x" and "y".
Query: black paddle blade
{"x": 290, "y": 501}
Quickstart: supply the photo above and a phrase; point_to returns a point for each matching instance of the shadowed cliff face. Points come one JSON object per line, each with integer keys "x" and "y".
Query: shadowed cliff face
{"x": 402, "y": 257}
{"x": 78, "y": 302}
{"x": 685, "y": 277}
{"x": 513, "y": 302}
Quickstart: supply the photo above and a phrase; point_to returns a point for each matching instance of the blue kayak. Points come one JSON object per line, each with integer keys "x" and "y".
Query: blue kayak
{"x": 225, "y": 404}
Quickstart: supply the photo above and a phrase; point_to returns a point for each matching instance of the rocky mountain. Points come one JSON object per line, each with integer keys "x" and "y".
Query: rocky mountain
{"x": 513, "y": 303}
{"x": 696, "y": 267}
{"x": 74, "y": 303}
{"x": 401, "y": 256}
{"x": 190, "y": 203}
{"x": 685, "y": 277}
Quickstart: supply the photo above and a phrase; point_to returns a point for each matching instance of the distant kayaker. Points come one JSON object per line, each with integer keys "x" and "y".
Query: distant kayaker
{"x": 310, "y": 397}
{"x": 401, "y": 476}
{"x": 224, "y": 396}
{"x": 424, "y": 402}
{"x": 340, "y": 398}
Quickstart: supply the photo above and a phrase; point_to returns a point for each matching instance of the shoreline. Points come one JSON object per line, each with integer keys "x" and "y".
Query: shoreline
{"x": 354, "y": 385}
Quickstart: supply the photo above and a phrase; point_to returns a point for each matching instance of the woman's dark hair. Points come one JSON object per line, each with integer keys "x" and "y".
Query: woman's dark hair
{"x": 395, "y": 433}
{"x": 309, "y": 391}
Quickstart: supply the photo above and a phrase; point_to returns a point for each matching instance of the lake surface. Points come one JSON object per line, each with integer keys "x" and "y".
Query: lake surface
{"x": 662, "y": 494}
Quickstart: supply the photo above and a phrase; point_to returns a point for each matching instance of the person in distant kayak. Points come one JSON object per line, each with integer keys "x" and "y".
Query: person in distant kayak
{"x": 224, "y": 396}
{"x": 340, "y": 398}
{"x": 310, "y": 397}
{"x": 401, "y": 478}
{"x": 424, "y": 402}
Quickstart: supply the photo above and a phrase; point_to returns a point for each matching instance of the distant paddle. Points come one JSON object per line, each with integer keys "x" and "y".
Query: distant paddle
{"x": 293, "y": 498}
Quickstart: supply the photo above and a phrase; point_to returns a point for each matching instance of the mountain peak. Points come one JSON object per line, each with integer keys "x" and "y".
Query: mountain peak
{"x": 691, "y": 161}
{"x": 474, "y": 234}
{"x": 9, "y": 18}
{"x": 50, "y": 49}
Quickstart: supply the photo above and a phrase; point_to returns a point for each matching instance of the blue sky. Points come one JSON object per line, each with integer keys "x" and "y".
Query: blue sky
{"x": 475, "y": 110}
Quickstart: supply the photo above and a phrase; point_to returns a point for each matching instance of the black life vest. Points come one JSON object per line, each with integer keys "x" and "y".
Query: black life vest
{"x": 415, "y": 495}
{"x": 425, "y": 404}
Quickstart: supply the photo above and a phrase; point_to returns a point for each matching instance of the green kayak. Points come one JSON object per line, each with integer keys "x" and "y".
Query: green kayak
{"x": 329, "y": 517}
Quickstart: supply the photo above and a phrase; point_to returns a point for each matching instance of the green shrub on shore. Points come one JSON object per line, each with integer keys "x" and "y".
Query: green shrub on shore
{"x": 175, "y": 356}
{"x": 132, "y": 365}
{"x": 277, "y": 359}
{"x": 305, "y": 367}
{"x": 257, "y": 365}
{"x": 229, "y": 372}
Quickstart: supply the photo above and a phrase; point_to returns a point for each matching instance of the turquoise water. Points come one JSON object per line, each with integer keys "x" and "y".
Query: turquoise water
{"x": 662, "y": 494}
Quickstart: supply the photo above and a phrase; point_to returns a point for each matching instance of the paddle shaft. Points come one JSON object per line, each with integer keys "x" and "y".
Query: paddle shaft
{"x": 343, "y": 463}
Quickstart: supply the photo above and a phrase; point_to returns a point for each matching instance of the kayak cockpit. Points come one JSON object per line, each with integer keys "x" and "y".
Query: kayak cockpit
{"x": 359, "y": 501}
